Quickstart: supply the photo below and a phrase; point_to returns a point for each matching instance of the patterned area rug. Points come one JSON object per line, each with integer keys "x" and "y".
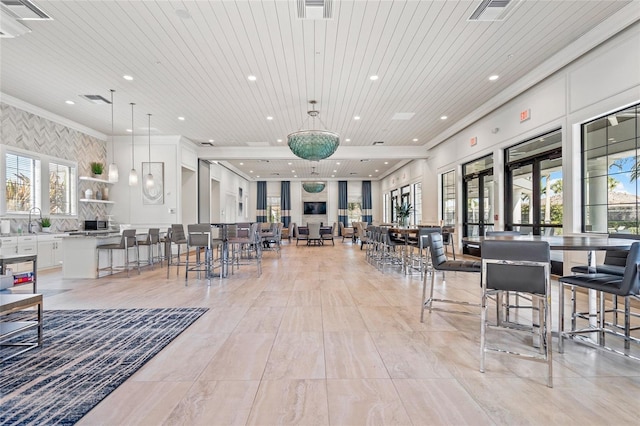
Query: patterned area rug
{"x": 86, "y": 354}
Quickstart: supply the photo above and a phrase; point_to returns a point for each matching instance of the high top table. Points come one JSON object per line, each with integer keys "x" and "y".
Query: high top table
{"x": 590, "y": 244}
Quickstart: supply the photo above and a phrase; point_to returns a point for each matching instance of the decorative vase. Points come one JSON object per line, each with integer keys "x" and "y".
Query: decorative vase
{"x": 88, "y": 194}
{"x": 105, "y": 194}
{"x": 98, "y": 195}
{"x": 46, "y": 229}
{"x": 402, "y": 221}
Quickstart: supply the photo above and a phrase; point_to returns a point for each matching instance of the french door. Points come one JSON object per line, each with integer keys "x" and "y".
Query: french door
{"x": 534, "y": 186}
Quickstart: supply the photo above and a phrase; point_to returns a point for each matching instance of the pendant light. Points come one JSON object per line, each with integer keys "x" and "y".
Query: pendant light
{"x": 133, "y": 175}
{"x": 149, "y": 183}
{"x": 113, "y": 167}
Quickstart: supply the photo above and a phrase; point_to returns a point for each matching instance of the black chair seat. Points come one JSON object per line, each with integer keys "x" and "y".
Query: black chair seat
{"x": 600, "y": 269}
{"x": 460, "y": 266}
{"x": 608, "y": 283}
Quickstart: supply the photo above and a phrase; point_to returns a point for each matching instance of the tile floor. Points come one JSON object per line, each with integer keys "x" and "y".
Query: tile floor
{"x": 322, "y": 337}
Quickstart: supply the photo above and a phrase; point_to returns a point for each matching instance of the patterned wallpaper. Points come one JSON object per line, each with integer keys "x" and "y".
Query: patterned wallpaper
{"x": 31, "y": 132}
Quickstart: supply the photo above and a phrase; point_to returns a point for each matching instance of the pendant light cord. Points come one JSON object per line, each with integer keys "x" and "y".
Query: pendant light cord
{"x": 149, "y": 143}
{"x": 133, "y": 161}
{"x": 113, "y": 153}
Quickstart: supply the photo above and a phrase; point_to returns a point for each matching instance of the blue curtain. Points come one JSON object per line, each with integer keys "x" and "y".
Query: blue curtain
{"x": 367, "y": 205}
{"x": 261, "y": 210}
{"x": 343, "y": 205}
{"x": 285, "y": 202}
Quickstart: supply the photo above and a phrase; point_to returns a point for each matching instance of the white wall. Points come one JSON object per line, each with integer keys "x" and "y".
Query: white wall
{"x": 128, "y": 207}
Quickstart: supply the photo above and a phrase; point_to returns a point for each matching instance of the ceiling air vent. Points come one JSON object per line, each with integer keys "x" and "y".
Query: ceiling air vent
{"x": 315, "y": 9}
{"x": 493, "y": 10}
{"x": 377, "y": 143}
{"x": 25, "y": 10}
{"x": 96, "y": 99}
{"x": 10, "y": 27}
{"x": 206, "y": 144}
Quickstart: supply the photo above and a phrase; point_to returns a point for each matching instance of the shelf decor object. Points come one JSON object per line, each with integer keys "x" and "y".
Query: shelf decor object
{"x": 133, "y": 175}
{"x": 96, "y": 169}
{"x": 113, "y": 167}
{"x": 313, "y": 187}
{"x": 313, "y": 145}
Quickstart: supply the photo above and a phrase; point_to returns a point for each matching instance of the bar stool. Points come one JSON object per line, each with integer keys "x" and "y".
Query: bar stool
{"x": 175, "y": 236}
{"x": 200, "y": 237}
{"x": 244, "y": 247}
{"x": 152, "y": 240}
{"x": 127, "y": 241}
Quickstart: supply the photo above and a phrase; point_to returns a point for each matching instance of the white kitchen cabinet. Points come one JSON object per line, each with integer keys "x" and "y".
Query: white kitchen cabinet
{"x": 27, "y": 244}
{"x": 49, "y": 251}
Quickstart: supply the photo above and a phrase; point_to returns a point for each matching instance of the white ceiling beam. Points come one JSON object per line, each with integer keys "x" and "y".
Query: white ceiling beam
{"x": 284, "y": 153}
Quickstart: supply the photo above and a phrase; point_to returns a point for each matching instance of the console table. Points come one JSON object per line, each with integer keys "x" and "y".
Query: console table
{"x": 10, "y": 303}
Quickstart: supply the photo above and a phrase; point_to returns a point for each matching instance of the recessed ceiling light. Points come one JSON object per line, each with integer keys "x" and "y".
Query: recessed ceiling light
{"x": 373, "y": 78}
{"x": 494, "y": 77}
{"x": 279, "y": 140}
{"x": 293, "y": 171}
{"x": 210, "y": 140}
{"x": 252, "y": 78}
{"x": 338, "y": 163}
{"x": 335, "y": 171}
{"x": 181, "y": 118}
{"x": 333, "y": 175}
{"x": 242, "y": 164}
{"x": 127, "y": 77}
{"x": 69, "y": 102}
{"x": 269, "y": 118}
{"x": 370, "y": 175}
{"x": 444, "y": 117}
{"x": 128, "y": 130}
{"x": 415, "y": 139}
{"x": 257, "y": 176}
{"x": 386, "y": 162}
{"x": 290, "y": 163}
{"x": 357, "y": 117}
{"x": 347, "y": 140}
{"x": 250, "y": 171}
{"x": 376, "y": 171}
{"x": 183, "y": 14}
{"x": 295, "y": 176}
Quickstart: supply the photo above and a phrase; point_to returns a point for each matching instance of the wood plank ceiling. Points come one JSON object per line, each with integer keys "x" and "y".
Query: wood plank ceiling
{"x": 192, "y": 59}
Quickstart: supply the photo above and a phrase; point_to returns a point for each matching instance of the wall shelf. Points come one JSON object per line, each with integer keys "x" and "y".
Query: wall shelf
{"x": 87, "y": 200}
{"x": 91, "y": 179}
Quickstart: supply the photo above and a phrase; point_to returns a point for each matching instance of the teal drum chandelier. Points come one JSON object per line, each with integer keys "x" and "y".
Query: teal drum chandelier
{"x": 313, "y": 145}
{"x": 313, "y": 187}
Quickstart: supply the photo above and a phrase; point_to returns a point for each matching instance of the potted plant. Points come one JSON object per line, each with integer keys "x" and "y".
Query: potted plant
{"x": 45, "y": 223}
{"x": 403, "y": 211}
{"x": 96, "y": 168}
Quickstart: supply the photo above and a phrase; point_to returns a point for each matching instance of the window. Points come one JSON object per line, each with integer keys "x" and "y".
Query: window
{"x": 395, "y": 199}
{"x": 35, "y": 180}
{"x": 273, "y": 209}
{"x": 449, "y": 198}
{"x": 354, "y": 212}
{"x": 610, "y": 170}
{"x": 22, "y": 174}
{"x": 61, "y": 189}
{"x": 417, "y": 203}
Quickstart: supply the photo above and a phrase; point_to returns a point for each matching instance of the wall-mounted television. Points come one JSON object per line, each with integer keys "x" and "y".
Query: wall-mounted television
{"x": 315, "y": 207}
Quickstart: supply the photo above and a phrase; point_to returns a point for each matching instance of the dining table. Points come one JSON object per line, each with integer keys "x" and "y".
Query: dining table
{"x": 587, "y": 243}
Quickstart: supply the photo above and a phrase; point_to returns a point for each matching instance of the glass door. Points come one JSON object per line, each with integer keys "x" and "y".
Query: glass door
{"x": 534, "y": 186}
{"x": 478, "y": 197}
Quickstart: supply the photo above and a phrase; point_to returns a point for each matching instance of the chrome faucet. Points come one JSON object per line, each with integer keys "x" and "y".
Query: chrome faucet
{"x": 30, "y": 226}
